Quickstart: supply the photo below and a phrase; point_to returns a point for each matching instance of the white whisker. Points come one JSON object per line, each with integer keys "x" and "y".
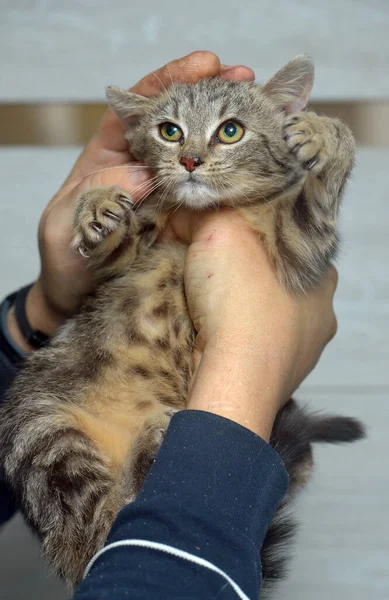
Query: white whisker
{"x": 161, "y": 82}
{"x": 170, "y": 75}
{"x": 147, "y": 194}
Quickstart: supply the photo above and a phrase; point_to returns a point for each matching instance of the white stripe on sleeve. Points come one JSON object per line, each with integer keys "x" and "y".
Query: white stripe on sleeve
{"x": 172, "y": 551}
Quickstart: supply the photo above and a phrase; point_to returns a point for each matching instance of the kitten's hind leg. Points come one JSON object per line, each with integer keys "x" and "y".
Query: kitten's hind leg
{"x": 145, "y": 450}
{"x": 105, "y": 230}
{"x": 71, "y": 494}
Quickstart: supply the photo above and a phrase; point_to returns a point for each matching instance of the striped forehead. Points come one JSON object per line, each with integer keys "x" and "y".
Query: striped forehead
{"x": 199, "y": 109}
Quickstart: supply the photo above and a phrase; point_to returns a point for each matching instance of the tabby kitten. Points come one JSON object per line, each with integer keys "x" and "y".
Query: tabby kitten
{"x": 85, "y": 417}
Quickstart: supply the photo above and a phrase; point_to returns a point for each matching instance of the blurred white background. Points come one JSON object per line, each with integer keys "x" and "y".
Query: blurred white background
{"x": 54, "y": 52}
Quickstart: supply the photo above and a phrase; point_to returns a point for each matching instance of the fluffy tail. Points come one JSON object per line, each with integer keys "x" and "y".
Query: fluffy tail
{"x": 294, "y": 432}
{"x": 334, "y": 429}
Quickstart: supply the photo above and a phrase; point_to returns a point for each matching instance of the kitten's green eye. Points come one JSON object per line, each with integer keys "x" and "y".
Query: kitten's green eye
{"x": 171, "y": 132}
{"x": 230, "y": 132}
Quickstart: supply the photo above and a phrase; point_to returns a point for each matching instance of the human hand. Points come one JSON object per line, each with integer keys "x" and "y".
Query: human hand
{"x": 255, "y": 342}
{"x": 64, "y": 280}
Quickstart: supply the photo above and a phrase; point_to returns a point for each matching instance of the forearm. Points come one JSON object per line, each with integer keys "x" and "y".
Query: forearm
{"x": 233, "y": 381}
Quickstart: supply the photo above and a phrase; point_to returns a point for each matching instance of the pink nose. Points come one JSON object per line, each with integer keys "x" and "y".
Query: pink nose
{"x": 190, "y": 162}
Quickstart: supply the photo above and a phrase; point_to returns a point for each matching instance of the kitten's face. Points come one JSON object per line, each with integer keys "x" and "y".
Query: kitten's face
{"x": 210, "y": 143}
{"x": 204, "y": 142}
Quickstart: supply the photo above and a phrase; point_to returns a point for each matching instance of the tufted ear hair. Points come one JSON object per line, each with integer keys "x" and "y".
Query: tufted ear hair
{"x": 290, "y": 88}
{"x": 127, "y": 106}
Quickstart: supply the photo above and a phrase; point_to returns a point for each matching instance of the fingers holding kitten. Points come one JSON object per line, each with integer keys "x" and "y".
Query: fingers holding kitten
{"x": 190, "y": 69}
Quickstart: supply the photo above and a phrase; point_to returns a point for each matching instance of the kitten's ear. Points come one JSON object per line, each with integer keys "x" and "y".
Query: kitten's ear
{"x": 127, "y": 106}
{"x": 290, "y": 88}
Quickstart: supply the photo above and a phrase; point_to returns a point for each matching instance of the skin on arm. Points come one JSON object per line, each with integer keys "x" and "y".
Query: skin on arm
{"x": 255, "y": 342}
{"x": 105, "y": 161}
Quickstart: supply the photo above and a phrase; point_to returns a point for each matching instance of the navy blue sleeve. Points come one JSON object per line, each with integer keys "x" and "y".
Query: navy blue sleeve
{"x": 10, "y": 359}
{"x": 7, "y": 503}
{"x": 197, "y": 526}
{"x": 7, "y": 374}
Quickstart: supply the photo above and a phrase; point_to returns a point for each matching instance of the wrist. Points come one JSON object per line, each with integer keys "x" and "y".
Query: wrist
{"x": 41, "y": 315}
{"x": 233, "y": 381}
{"x": 14, "y": 332}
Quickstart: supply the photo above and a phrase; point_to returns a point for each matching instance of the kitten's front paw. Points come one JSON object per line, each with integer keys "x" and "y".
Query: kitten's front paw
{"x": 307, "y": 138}
{"x": 101, "y": 212}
